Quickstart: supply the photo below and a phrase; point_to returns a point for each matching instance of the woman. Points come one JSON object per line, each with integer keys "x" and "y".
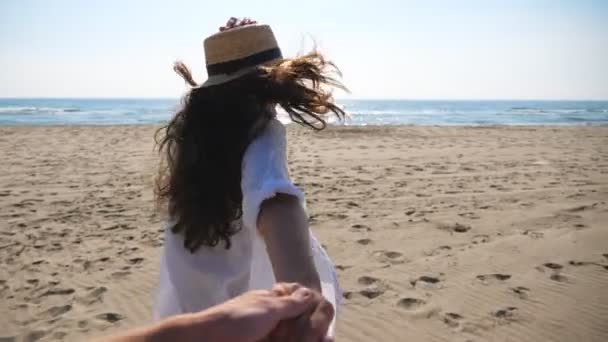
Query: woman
{"x": 237, "y": 222}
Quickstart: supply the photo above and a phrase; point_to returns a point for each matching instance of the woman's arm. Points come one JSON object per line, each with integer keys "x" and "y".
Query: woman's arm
{"x": 283, "y": 224}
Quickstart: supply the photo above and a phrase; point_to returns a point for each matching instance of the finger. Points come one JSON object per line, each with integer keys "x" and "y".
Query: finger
{"x": 321, "y": 318}
{"x": 297, "y": 303}
{"x": 317, "y": 320}
{"x": 296, "y": 329}
{"x": 285, "y": 289}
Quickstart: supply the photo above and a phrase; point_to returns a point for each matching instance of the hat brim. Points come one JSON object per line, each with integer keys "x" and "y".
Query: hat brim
{"x": 224, "y": 78}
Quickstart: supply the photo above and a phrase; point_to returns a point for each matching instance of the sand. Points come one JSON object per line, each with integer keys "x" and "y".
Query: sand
{"x": 438, "y": 233}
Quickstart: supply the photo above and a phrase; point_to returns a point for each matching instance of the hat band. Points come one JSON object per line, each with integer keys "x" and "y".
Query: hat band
{"x": 235, "y": 65}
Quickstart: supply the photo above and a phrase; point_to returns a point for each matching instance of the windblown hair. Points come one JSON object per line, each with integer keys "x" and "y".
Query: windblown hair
{"x": 199, "y": 180}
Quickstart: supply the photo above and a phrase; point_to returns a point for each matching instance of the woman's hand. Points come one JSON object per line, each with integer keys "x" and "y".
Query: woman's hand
{"x": 311, "y": 326}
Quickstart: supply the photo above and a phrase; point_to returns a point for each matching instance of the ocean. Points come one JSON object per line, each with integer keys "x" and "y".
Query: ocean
{"x": 362, "y": 112}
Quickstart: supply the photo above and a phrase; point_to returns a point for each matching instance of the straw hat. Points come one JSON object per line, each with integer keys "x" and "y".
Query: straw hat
{"x": 235, "y": 52}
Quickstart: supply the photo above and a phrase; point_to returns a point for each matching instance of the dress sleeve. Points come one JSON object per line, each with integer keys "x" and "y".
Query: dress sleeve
{"x": 264, "y": 172}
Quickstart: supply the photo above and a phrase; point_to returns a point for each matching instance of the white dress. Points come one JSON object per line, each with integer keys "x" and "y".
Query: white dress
{"x": 193, "y": 282}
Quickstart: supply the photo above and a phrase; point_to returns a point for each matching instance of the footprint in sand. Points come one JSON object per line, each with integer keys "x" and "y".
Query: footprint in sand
{"x": 487, "y": 279}
{"x": 360, "y": 228}
{"x": 559, "y": 278}
{"x": 426, "y": 282}
{"x": 454, "y": 227}
{"x": 469, "y": 215}
{"x": 110, "y": 317}
{"x": 390, "y": 257}
{"x": 57, "y": 310}
{"x": 481, "y": 238}
{"x": 369, "y": 293}
{"x": 508, "y": 314}
{"x": 410, "y": 303}
{"x": 83, "y": 323}
{"x": 437, "y": 250}
{"x": 347, "y": 294}
{"x": 135, "y": 261}
{"x": 352, "y": 204}
{"x": 54, "y": 292}
{"x": 58, "y": 335}
{"x": 120, "y": 274}
{"x": 364, "y": 241}
{"x": 579, "y": 263}
{"x": 584, "y": 263}
{"x": 521, "y": 291}
{"x": 581, "y": 208}
{"x": 32, "y": 281}
{"x": 342, "y": 267}
{"x": 365, "y": 280}
{"x": 555, "y": 270}
{"x": 374, "y": 287}
{"x": 95, "y": 295}
{"x": 553, "y": 266}
{"x": 533, "y": 234}
{"x": 35, "y": 335}
{"x": 452, "y": 319}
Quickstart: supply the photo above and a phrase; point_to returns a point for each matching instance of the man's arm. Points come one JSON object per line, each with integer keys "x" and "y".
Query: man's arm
{"x": 177, "y": 328}
{"x": 248, "y": 318}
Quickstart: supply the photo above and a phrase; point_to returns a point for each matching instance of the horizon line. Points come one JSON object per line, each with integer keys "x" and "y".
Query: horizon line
{"x": 337, "y": 99}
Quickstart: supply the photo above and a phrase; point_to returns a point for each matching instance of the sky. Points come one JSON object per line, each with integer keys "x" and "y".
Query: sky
{"x": 401, "y": 49}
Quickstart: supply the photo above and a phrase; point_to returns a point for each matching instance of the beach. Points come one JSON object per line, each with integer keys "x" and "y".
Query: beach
{"x": 486, "y": 233}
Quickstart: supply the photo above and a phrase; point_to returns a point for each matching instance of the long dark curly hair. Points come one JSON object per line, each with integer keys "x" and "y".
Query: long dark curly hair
{"x": 199, "y": 180}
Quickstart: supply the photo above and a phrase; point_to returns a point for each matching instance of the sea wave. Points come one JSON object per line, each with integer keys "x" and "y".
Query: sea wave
{"x": 361, "y": 112}
{"x": 597, "y": 110}
{"x": 527, "y": 110}
{"x": 15, "y": 110}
